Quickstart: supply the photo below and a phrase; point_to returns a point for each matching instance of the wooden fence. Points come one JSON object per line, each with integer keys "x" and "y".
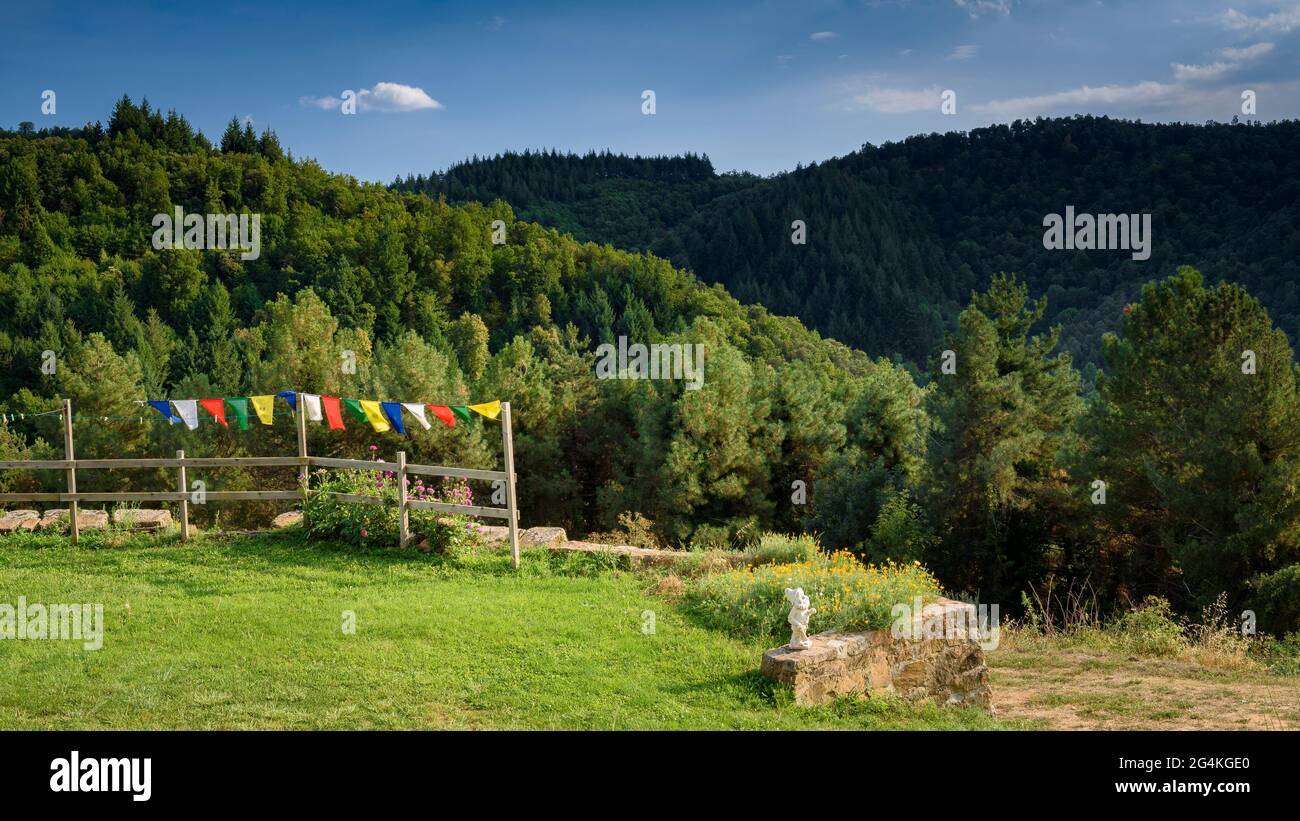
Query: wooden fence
{"x": 402, "y": 469}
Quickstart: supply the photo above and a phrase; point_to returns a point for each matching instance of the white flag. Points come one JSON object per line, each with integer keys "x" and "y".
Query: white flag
{"x": 417, "y": 410}
{"x": 188, "y": 411}
{"x": 312, "y": 401}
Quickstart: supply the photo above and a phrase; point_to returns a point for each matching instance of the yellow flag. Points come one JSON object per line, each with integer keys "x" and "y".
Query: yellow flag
{"x": 263, "y": 405}
{"x": 375, "y": 415}
{"x": 489, "y": 409}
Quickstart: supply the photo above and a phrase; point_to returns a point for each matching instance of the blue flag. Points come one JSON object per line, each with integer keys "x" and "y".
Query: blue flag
{"x": 291, "y": 397}
{"x": 165, "y": 408}
{"x": 393, "y": 410}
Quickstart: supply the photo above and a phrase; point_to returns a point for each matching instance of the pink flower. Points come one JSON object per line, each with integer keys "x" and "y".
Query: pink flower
{"x": 364, "y": 533}
{"x": 374, "y": 448}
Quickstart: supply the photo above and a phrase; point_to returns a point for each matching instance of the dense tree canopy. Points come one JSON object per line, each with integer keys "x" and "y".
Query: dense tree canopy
{"x": 899, "y": 234}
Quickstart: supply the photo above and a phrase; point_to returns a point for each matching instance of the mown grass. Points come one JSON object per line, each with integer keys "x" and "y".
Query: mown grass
{"x": 246, "y": 632}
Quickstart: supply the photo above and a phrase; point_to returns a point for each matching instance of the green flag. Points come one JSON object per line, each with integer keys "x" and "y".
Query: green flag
{"x": 461, "y": 411}
{"x": 240, "y": 406}
{"x": 354, "y": 407}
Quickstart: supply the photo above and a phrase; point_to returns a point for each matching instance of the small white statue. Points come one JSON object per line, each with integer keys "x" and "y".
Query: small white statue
{"x": 800, "y": 612}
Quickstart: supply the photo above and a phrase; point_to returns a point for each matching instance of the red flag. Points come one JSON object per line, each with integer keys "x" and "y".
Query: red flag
{"x": 216, "y": 407}
{"x": 332, "y": 415}
{"x": 444, "y": 413}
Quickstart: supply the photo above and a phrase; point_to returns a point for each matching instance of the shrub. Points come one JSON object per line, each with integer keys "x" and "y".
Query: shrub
{"x": 1277, "y": 600}
{"x": 1150, "y": 629}
{"x": 1280, "y": 656}
{"x": 901, "y": 533}
{"x": 848, "y": 595}
{"x": 363, "y": 524}
{"x": 775, "y": 548}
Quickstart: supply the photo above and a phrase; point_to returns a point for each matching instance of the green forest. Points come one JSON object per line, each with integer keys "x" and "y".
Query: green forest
{"x": 1170, "y": 467}
{"x": 900, "y": 234}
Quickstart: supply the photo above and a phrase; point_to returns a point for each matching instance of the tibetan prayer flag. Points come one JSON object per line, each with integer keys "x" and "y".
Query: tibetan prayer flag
{"x": 331, "y": 404}
{"x": 375, "y": 416}
{"x": 264, "y": 407}
{"x": 461, "y": 411}
{"x": 444, "y": 413}
{"x": 489, "y": 409}
{"x": 216, "y": 407}
{"x": 291, "y": 398}
{"x": 188, "y": 410}
{"x": 239, "y": 405}
{"x": 163, "y": 407}
{"x": 417, "y": 410}
{"x": 393, "y": 410}
{"x": 312, "y": 401}
{"x": 354, "y": 408}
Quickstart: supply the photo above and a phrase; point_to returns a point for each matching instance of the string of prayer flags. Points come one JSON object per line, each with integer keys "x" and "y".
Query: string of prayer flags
{"x": 264, "y": 407}
{"x": 354, "y": 408}
{"x": 417, "y": 410}
{"x": 216, "y": 407}
{"x": 489, "y": 409}
{"x": 331, "y": 405}
{"x": 312, "y": 401}
{"x": 375, "y": 416}
{"x": 164, "y": 407}
{"x": 444, "y": 413}
{"x": 240, "y": 406}
{"x": 380, "y": 416}
{"x": 188, "y": 410}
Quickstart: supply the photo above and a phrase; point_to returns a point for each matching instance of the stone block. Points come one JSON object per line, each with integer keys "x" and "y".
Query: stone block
{"x": 142, "y": 518}
{"x": 946, "y": 669}
{"x": 14, "y": 520}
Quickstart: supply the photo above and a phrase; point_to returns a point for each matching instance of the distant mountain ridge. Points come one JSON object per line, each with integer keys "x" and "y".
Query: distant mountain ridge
{"x": 898, "y": 235}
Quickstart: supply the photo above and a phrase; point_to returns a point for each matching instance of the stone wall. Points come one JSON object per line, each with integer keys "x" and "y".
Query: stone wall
{"x": 948, "y": 670}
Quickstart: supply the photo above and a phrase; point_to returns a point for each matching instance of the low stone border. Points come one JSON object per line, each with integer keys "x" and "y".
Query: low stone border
{"x": 949, "y": 670}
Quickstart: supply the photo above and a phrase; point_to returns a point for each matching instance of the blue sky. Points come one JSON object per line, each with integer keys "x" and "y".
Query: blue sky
{"x": 758, "y": 86}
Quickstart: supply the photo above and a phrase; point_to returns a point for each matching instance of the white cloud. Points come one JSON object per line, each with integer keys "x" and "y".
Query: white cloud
{"x": 899, "y": 100}
{"x": 1288, "y": 19}
{"x": 964, "y": 52}
{"x": 1145, "y": 93}
{"x": 1207, "y": 72}
{"x": 979, "y": 8}
{"x": 1247, "y": 53}
{"x": 1235, "y": 57}
{"x": 782, "y": 59}
{"x": 382, "y": 97}
{"x": 822, "y": 35}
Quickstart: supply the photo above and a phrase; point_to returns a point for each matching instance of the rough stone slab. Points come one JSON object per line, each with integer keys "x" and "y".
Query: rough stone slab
{"x": 289, "y": 519}
{"x": 494, "y": 533}
{"x": 142, "y": 518}
{"x": 644, "y": 555}
{"x": 535, "y": 537}
{"x": 13, "y": 520}
{"x": 57, "y": 519}
{"x": 946, "y": 669}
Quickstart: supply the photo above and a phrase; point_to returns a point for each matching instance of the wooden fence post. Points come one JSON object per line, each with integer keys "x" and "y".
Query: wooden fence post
{"x": 72, "y": 470}
{"x": 300, "y": 415}
{"x": 403, "y": 519}
{"x": 512, "y": 508}
{"x": 185, "y": 501}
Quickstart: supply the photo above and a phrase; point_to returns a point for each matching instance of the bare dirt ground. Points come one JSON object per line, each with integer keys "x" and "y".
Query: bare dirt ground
{"x": 1082, "y": 688}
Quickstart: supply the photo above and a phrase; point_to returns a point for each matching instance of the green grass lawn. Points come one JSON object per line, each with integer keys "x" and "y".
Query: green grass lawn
{"x": 248, "y": 633}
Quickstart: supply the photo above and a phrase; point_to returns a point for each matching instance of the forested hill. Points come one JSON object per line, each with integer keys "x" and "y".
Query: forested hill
{"x": 899, "y": 235}
{"x": 628, "y": 202}
{"x": 430, "y": 305}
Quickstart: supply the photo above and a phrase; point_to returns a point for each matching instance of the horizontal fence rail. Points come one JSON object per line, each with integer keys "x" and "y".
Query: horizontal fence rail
{"x": 70, "y": 464}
